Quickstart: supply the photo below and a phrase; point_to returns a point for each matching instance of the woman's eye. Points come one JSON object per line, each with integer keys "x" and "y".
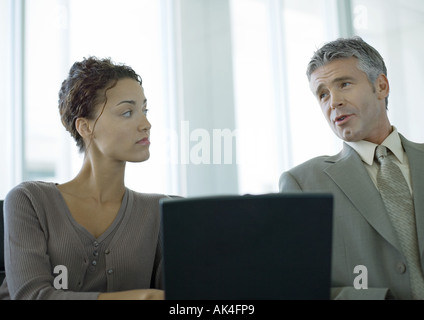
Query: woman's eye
{"x": 127, "y": 114}
{"x": 345, "y": 84}
{"x": 145, "y": 111}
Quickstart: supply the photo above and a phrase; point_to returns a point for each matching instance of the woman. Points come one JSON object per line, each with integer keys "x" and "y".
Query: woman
{"x": 89, "y": 238}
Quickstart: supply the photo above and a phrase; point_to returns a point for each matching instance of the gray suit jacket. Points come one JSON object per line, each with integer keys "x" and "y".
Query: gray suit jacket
{"x": 362, "y": 231}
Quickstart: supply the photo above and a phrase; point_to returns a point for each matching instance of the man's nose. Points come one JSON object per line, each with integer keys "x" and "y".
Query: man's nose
{"x": 337, "y": 100}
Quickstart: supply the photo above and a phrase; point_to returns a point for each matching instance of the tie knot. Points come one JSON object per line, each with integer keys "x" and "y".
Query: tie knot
{"x": 381, "y": 153}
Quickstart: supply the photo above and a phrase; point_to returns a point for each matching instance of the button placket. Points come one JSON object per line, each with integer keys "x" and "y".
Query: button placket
{"x": 95, "y": 255}
{"x": 109, "y": 270}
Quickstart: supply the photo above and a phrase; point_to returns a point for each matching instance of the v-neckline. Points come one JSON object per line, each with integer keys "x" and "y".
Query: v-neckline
{"x": 82, "y": 229}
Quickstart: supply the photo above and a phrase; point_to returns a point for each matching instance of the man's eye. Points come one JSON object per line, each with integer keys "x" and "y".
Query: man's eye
{"x": 345, "y": 84}
{"x": 127, "y": 114}
{"x": 323, "y": 96}
{"x": 145, "y": 111}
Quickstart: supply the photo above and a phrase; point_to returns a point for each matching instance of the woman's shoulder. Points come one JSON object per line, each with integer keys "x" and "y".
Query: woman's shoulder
{"x": 32, "y": 187}
{"x": 33, "y": 191}
{"x": 142, "y": 196}
{"x": 150, "y": 199}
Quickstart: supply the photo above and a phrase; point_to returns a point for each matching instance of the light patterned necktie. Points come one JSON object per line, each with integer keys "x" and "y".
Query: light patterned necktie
{"x": 398, "y": 201}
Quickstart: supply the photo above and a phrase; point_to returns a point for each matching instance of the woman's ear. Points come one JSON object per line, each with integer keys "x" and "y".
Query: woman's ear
{"x": 83, "y": 127}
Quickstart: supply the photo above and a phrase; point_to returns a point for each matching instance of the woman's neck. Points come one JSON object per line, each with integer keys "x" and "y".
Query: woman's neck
{"x": 102, "y": 181}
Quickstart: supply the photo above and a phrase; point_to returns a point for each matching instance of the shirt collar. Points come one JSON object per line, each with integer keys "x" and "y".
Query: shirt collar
{"x": 366, "y": 149}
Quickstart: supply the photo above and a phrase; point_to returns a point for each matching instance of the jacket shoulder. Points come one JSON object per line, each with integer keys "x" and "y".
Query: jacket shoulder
{"x": 316, "y": 163}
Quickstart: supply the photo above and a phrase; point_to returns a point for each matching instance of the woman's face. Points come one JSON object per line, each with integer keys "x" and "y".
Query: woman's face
{"x": 122, "y": 131}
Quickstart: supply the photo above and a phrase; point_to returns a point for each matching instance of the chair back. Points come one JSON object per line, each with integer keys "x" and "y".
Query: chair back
{"x": 2, "y": 269}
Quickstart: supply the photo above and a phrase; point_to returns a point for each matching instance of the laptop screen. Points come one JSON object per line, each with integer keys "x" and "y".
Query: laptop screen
{"x": 270, "y": 246}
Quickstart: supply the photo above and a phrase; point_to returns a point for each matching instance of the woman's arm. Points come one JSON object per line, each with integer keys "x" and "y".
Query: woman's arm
{"x": 140, "y": 294}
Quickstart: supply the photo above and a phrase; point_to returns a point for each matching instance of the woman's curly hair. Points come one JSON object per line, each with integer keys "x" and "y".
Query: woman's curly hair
{"x": 86, "y": 87}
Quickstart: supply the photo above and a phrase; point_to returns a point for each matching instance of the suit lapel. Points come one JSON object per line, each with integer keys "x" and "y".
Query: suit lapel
{"x": 349, "y": 173}
{"x": 416, "y": 167}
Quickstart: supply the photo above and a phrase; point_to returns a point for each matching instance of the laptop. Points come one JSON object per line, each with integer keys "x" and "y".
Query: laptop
{"x": 247, "y": 247}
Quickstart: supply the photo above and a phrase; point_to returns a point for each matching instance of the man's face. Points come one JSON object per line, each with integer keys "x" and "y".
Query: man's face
{"x": 354, "y": 108}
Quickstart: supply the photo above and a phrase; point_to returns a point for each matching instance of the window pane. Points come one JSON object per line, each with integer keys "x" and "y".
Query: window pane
{"x": 395, "y": 28}
{"x": 127, "y": 31}
{"x": 254, "y": 96}
{"x": 277, "y": 115}
{"x": 7, "y": 136}
{"x": 310, "y": 134}
{"x": 45, "y": 63}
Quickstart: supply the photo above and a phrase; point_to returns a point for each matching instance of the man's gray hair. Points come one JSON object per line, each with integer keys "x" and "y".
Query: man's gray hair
{"x": 369, "y": 59}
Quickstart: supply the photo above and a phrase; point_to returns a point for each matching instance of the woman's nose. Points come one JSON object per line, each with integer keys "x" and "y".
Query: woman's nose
{"x": 144, "y": 124}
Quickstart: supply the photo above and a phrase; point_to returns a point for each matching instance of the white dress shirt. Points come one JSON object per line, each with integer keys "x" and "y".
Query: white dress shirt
{"x": 366, "y": 151}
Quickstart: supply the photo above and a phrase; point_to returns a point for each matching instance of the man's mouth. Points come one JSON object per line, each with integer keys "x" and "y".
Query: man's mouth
{"x": 342, "y": 119}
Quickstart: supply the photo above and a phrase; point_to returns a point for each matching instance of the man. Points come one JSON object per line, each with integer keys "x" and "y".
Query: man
{"x": 371, "y": 258}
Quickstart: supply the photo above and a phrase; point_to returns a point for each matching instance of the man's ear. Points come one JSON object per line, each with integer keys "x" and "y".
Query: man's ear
{"x": 382, "y": 86}
{"x": 83, "y": 127}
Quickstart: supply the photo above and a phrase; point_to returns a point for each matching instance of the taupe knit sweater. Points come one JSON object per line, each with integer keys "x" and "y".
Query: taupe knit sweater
{"x": 40, "y": 234}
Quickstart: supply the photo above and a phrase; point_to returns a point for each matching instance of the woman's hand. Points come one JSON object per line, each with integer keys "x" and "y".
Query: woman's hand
{"x": 139, "y": 294}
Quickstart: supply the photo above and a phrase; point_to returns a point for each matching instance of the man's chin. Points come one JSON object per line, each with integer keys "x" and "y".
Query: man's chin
{"x": 348, "y": 136}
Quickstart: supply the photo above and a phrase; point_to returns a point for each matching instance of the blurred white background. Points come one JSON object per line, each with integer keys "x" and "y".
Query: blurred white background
{"x": 229, "y": 100}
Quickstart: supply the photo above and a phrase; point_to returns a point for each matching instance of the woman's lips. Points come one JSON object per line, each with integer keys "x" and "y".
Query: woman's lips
{"x": 144, "y": 141}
